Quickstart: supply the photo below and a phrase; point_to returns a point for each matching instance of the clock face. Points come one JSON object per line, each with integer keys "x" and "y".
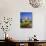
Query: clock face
{"x": 35, "y": 3}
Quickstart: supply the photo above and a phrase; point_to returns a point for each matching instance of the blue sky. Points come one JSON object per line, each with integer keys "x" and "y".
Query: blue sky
{"x": 26, "y": 14}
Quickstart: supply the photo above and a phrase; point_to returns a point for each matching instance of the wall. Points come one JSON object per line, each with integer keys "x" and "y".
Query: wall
{"x": 45, "y": 28}
{"x": 12, "y": 8}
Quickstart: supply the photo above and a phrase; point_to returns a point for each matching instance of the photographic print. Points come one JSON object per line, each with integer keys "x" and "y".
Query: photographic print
{"x": 25, "y": 19}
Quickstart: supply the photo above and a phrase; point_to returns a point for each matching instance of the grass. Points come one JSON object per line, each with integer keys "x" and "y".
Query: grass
{"x": 26, "y": 24}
